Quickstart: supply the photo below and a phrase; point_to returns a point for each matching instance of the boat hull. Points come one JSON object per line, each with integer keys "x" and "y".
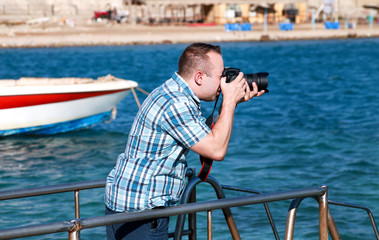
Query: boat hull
{"x": 58, "y": 109}
{"x": 56, "y": 128}
{"x": 74, "y": 114}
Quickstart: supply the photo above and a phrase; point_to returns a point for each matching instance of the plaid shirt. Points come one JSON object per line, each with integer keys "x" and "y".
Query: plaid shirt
{"x": 151, "y": 171}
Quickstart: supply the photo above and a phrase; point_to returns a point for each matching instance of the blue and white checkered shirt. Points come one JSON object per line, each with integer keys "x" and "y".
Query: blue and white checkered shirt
{"x": 151, "y": 171}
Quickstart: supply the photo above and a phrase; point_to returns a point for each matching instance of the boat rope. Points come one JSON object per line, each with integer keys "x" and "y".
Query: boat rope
{"x": 135, "y": 95}
{"x": 143, "y": 91}
{"x": 113, "y": 115}
{"x": 136, "y": 98}
{"x": 114, "y": 109}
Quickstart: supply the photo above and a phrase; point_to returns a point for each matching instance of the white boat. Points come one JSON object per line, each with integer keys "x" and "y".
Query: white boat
{"x": 55, "y": 105}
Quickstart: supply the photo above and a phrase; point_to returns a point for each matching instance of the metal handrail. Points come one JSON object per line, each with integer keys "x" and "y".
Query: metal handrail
{"x": 220, "y": 195}
{"x": 239, "y": 189}
{"x": 331, "y": 224}
{"x": 370, "y": 215}
{"x": 59, "y": 188}
{"x": 291, "y": 215}
{"x": 74, "y": 225}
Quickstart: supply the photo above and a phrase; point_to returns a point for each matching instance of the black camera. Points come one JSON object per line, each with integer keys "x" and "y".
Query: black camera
{"x": 259, "y": 78}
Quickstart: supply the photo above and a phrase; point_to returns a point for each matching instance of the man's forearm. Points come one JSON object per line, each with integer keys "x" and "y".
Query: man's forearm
{"x": 222, "y": 130}
{"x": 215, "y": 144}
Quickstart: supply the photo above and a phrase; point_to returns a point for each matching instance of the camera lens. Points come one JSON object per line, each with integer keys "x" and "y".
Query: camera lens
{"x": 259, "y": 78}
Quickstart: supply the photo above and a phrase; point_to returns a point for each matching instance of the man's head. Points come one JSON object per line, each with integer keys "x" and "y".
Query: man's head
{"x": 195, "y": 57}
{"x": 201, "y": 65}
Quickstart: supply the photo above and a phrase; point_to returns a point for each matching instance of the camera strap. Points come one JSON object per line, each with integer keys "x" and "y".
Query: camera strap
{"x": 206, "y": 163}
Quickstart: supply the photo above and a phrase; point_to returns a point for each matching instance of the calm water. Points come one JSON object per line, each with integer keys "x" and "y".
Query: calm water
{"x": 318, "y": 125}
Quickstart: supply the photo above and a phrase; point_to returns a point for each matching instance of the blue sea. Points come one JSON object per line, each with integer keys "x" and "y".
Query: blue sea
{"x": 319, "y": 125}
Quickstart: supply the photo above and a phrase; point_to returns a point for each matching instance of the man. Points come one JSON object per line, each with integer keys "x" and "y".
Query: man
{"x": 151, "y": 172}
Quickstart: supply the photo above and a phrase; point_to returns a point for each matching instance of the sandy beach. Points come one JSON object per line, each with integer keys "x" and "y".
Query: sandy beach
{"x": 94, "y": 34}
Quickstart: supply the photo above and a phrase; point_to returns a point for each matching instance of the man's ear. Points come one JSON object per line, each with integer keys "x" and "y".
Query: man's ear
{"x": 199, "y": 78}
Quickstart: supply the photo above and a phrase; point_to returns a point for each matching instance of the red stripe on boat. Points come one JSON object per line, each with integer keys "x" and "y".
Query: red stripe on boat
{"x": 39, "y": 99}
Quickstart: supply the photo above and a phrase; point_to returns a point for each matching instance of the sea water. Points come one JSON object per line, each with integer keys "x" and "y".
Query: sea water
{"x": 319, "y": 125}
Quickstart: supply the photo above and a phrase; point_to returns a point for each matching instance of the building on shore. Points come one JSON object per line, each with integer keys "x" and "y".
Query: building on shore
{"x": 197, "y": 11}
{"x": 255, "y": 11}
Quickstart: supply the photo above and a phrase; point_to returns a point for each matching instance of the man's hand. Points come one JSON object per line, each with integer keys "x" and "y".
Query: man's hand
{"x": 250, "y": 94}
{"x": 234, "y": 91}
{"x": 238, "y": 90}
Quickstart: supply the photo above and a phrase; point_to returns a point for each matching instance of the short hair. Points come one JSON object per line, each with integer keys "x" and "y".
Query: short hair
{"x": 195, "y": 57}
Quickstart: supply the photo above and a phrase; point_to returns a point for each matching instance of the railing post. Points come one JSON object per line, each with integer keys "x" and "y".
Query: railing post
{"x": 77, "y": 205}
{"x": 323, "y": 214}
{"x": 271, "y": 220}
{"x": 332, "y": 227}
{"x": 210, "y": 228}
{"x": 192, "y": 216}
{"x": 291, "y": 216}
{"x": 74, "y": 233}
{"x": 226, "y": 211}
{"x": 220, "y": 195}
{"x": 189, "y": 195}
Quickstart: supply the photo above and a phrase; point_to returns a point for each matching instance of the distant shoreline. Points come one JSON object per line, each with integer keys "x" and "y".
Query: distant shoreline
{"x": 118, "y": 34}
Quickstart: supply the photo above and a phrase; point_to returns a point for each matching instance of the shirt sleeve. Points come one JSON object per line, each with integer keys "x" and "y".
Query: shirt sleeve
{"x": 185, "y": 124}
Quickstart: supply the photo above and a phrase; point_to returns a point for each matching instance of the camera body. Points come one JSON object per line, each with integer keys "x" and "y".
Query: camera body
{"x": 259, "y": 78}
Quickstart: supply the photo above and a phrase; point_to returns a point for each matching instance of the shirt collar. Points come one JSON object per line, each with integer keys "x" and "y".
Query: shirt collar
{"x": 187, "y": 90}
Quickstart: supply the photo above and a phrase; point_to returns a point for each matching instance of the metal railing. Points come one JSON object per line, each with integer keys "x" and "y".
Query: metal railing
{"x": 331, "y": 224}
{"x": 187, "y": 206}
{"x": 189, "y": 195}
